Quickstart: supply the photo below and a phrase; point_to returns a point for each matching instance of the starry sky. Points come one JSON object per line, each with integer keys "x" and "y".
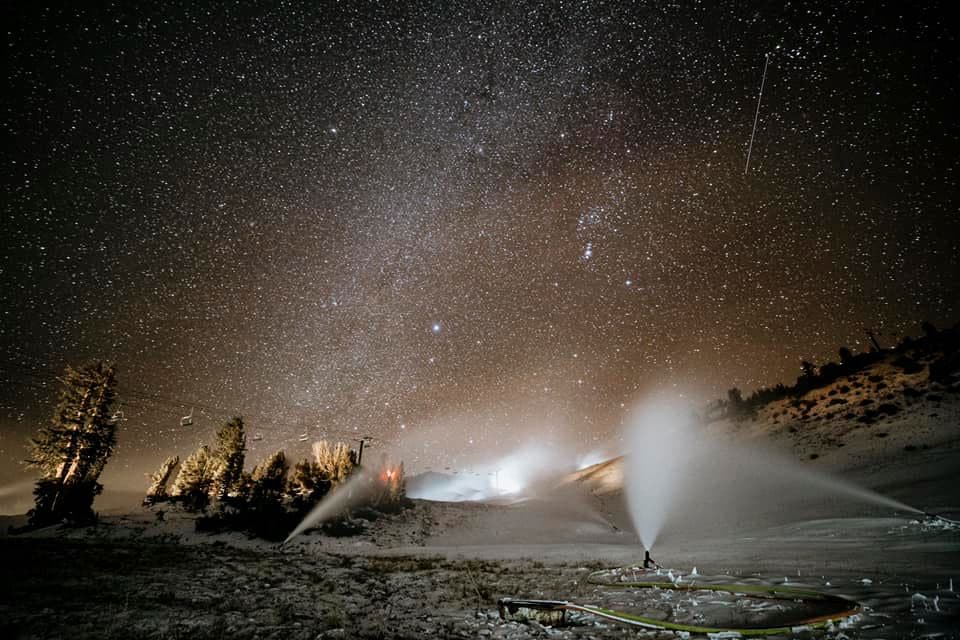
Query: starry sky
{"x": 454, "y": 225}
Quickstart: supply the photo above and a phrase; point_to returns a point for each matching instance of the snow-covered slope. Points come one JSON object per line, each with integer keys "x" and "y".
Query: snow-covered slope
{"x": 885, "y": 413}
{"x": 888, "y": 409}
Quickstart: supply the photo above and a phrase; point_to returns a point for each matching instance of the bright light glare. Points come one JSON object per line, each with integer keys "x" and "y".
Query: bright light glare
{"x": 512, "y": 474}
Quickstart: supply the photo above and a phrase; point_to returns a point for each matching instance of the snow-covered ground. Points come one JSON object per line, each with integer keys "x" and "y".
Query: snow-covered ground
{"x": 160, "y": 579}
{"x": 437, "y": 569}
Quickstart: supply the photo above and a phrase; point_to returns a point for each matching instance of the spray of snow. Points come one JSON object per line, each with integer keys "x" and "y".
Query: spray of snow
{"x": 661, "y": 447}
{"x": 351, "y": 492}
{"x": 676, "y": 471}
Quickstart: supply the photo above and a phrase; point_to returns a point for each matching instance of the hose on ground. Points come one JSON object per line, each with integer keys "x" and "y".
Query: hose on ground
{"x": 839, "y": 607}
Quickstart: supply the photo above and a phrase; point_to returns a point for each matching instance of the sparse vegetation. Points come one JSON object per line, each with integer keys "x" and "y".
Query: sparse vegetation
{"x": 940, "y": 348}
{"x": 271, "y": 501}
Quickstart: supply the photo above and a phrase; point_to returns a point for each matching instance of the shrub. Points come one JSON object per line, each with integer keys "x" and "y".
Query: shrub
{"x": 909, "y": 365}
{"x": 335, "y": 462}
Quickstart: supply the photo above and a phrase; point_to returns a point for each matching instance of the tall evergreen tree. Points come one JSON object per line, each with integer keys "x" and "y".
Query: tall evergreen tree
{"x": 195, "y": 480}
{"x": 160, "y": 479}
{"x": 265, "y": 511}
{"x": 229, "y": 454}
{"x": 269, "y": 478}
{"x": 72, "y": 451}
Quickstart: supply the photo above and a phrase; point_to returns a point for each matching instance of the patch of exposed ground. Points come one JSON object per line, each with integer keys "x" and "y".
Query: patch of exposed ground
{"x": 121, "y": 589}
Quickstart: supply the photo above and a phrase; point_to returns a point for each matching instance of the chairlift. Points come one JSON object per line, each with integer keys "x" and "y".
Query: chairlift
{"x": 117, "y": 417}
{"x": 187, "y": 420}
{"x": 304, "y": 437}
{"x": 257, "y": 437}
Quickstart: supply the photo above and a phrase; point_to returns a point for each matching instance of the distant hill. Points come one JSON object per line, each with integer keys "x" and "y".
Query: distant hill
{"x": 901, "y": 399}
{"x": 601, "y": 478}
{"x": 933, "y": 358}
{"x": 873, "y": 408}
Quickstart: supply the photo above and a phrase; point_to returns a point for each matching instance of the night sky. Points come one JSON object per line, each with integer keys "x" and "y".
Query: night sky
{"x": 456, "y": 225}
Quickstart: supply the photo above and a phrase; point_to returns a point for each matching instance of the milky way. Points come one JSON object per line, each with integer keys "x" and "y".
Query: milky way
{"x": 458, "y": 222}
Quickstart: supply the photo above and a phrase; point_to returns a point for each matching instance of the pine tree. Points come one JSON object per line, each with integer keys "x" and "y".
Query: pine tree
{"x": 72, "y": 451}
{"x": 195, "y": 480}
{"x": 269, "y": 478}
{"x": 229, "y": 455}
{"x": 160, "y": 479}
{"x": 265, "y": 514}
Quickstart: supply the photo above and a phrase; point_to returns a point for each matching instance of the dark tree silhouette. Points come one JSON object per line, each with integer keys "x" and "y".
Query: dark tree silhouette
{"x": 269, "y": 479}
{"x": 737, "y": 408}
{"x": 846, "y": 356}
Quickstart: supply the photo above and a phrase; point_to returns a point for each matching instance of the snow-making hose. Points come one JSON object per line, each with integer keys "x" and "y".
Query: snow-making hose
{"x": 845, "y": 607}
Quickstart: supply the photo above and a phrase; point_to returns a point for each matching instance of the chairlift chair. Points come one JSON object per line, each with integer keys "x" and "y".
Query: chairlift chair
{"x": 257, "y": 437}
{"x": 187, "y": 420}
{"x": 304, "y": 437}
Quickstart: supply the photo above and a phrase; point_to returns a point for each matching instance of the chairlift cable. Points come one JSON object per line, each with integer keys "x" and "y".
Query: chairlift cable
{"x": 170, "y": 404}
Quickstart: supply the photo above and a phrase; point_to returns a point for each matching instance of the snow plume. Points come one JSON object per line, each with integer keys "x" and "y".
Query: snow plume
{"x": 678, "y": 477}
{"x": 661, "y": 446}
{"x": 354, "y": 491}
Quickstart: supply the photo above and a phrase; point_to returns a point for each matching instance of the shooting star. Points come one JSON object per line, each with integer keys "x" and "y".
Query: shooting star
{"x": 756, "y": 118}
